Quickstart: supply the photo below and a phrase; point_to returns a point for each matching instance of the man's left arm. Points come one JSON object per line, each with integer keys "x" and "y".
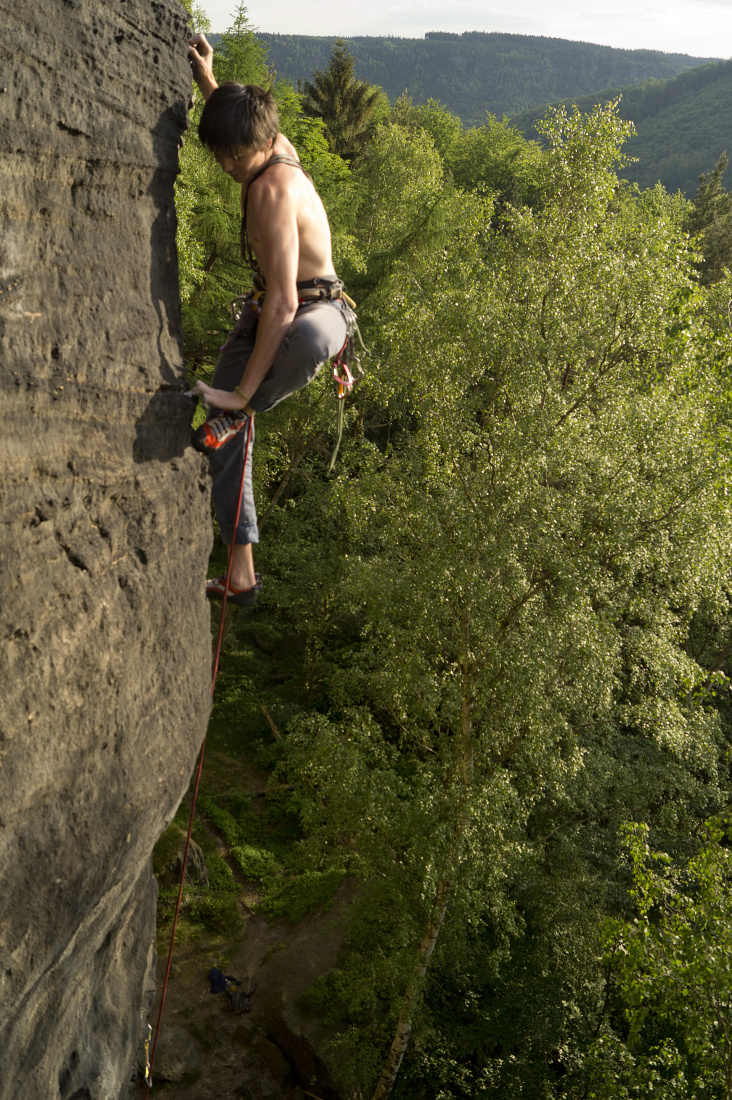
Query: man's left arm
{"x": 273, "y": 210}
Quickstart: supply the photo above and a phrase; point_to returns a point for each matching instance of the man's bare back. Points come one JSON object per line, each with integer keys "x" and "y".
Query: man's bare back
{"x": 291, "y": 187}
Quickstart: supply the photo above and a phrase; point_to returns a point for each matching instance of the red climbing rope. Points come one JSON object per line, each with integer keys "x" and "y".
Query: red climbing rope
{"x": 199, "y": 769}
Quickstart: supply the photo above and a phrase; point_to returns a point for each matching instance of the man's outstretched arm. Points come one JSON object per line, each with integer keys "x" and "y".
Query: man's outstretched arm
{"x": 200, "y": 55}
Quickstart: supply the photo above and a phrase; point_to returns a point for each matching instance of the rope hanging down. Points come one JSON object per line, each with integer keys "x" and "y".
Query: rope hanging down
{"x": 149, "y": 1064}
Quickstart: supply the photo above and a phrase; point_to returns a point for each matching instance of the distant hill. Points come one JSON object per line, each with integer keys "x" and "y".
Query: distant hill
{"x": 472, "y": 73}
{"x": 683, "y": 124}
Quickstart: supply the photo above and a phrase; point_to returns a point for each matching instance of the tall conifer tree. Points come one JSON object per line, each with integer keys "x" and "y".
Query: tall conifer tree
{"x": 345, "y": 104}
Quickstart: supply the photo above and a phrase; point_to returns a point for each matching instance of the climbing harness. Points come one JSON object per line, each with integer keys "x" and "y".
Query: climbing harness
{"x": 347, "y": 368}
{"x": 149, "y": 1064}
{"x": 318, "y": 289}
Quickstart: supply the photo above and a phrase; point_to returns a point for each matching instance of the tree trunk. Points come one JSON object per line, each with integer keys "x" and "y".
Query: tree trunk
{"x": 404, "y": 1026}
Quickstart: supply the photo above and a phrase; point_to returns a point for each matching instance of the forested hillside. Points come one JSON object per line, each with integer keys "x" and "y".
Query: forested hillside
{"x": 489, "y": 671}
{"x": 682, "y": 125}
{"x": 472, "y": 73}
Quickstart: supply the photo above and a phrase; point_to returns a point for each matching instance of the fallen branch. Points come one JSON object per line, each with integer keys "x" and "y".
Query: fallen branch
{"x": 275, "y": 787}
{"x": 271, "y": 722}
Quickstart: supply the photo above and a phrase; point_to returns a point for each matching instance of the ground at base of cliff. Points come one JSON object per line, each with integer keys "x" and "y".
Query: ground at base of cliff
{"x": 270, "y": 1052}
{"x": 245, "y": 836}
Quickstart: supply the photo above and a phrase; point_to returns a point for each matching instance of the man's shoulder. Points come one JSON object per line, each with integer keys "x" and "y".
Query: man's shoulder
{"x": 273, "y": 186}
{"x": 281, "y": 177}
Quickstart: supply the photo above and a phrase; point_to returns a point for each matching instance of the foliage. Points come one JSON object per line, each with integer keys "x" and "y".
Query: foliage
{"x": 401, "y": 184}
{"x": 168, "y": 846}
{"x": 254, "y": 863}
{"x": 222, "y": 819}
{"x": 345, "y": 105}
{"x": 295, "y": 899}
{"x": 199, "y": 20}
{"x": 501, "y": 629}
{"x": 710, "y": 215}
{"x": 240, "y": 55}
{"x": 496, "y": 158}
{"x": 220, "y": 876}
{"x": 673, "y": 968}
{"x": 218, "y": 913}
{"x": 443, "y": 127}
{"x": 526, "y": 558}
{"x": 681, "y": 124}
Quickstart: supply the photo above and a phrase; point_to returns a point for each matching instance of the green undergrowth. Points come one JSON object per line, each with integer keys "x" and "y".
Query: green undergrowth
{"x": 247, "y": 824}
{"x": 256, "y": 850}
{"x": 353, "y": 999}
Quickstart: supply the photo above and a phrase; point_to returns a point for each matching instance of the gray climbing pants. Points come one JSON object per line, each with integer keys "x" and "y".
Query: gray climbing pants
{"x": 317, "y": 333}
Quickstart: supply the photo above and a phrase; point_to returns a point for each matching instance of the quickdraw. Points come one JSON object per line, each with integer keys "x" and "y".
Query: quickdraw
{"x": 148, "y": 1075}
{"x": 343, "y": 374}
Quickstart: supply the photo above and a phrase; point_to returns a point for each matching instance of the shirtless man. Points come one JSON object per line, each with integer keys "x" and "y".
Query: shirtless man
{"x": 281, "y": 340}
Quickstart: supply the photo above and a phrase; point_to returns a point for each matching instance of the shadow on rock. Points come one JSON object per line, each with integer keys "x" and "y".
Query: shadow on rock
{"x": 164, "y": 429}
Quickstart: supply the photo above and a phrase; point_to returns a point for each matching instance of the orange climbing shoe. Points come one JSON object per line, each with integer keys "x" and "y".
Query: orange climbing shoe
{"x": 217, "y": 431}
{"x": 244, "y": 597}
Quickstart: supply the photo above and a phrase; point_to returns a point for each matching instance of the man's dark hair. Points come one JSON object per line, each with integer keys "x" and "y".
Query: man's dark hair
{"x": 238, "y": 116}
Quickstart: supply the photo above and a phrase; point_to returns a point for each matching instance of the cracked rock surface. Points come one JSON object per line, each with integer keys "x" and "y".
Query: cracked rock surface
{"x": 105, "y": 532}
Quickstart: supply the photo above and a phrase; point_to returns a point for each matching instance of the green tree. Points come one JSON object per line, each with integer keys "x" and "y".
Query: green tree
{"x": 673, "y": 967}
{"x": 710, "y": 216}
{"x": 346, "y": 105}
{"x": 442, "y": 126}
{"x": 511, "y": 597}
{"x": 240, "y": 55}
{"x": 400, "y": 188}
{"x": 496, "y": 158}
{"x": 525, "y": 558}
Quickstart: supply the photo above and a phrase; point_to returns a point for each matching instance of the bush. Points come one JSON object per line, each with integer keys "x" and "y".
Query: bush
{"x": 219, "y": 914}
{"x": 254, "y": 863}
{"x": 222, "y": 819}
{"x": 220, "y": 875}
{"x": 301, "y": 895}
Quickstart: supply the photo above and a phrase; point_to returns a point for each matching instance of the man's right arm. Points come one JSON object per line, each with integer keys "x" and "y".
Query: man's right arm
{"x": 200, "y": 55}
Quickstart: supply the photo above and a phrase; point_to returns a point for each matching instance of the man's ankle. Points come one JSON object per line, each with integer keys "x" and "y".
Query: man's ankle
{"x": 241, "y": 583}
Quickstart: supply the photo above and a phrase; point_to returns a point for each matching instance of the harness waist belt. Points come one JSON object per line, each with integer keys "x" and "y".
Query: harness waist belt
{"x": 319, "y": 289}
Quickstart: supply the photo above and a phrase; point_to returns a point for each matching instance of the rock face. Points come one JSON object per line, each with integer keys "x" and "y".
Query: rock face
{"x": 105, "y": 532}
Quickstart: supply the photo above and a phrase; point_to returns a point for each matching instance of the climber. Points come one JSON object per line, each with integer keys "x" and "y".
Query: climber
{"x": 288, "y": 326}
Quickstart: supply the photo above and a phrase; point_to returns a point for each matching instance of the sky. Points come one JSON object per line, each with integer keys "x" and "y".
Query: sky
{"x": 702, "y": 28}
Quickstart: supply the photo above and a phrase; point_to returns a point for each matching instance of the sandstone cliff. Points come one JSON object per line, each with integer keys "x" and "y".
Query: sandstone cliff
{"x": 105, "y": 529}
